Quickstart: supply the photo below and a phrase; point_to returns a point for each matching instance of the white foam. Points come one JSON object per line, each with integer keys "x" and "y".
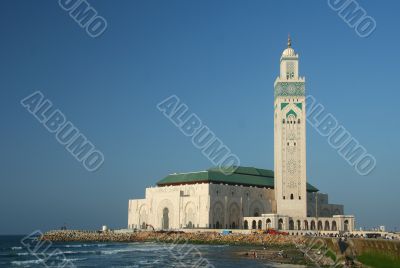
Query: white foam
{"x": 85, "y": 245}
{"x": 21, "y": 263}
{"x": 133, "y": 249}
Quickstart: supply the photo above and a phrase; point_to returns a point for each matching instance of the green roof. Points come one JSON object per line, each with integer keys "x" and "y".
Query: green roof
{"x": 246, "y": 176}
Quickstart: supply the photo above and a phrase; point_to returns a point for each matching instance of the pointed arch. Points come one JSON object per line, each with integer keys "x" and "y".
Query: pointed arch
{"x": 234, "y": 215}
{"x": 256, "y": 208}
{"x": 190, "y": 216}
{"x": 218, "y": 213}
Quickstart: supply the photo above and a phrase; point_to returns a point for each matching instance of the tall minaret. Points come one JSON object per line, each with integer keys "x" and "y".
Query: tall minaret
{"x": 290, "y": 137}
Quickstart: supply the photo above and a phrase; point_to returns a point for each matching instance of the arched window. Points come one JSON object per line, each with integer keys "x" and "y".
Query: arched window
{"x": 280, "y": 224}
{"x": 259, "y": 224}
{"x": 334, "y": 227}
{"x": 320, "y": 225}
{"x": 254, "y": 225}
{"x": 305, "y": 225}
{"x": 291, "y": 225}
{"x": 246, "y": 224}
{"x": 312, "y": 225}
{"x": 283, "y": 121}
{"x": 326, "y": 226}
{"x": 268, "y": 223}
{"x": 291, "y": 196}
{"x": 298, "y": 121}
{"x": 346, "y": 225}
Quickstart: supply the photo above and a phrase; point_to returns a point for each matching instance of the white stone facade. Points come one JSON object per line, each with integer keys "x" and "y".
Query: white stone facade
{"x": 221, "y": 206}
{"x": 199, "y": 206}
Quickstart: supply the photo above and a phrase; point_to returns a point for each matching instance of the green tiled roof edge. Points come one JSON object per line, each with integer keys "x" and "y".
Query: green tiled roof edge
{"x": 242, "y": 176}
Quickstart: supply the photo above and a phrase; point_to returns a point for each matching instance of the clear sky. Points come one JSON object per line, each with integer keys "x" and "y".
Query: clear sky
{"x": 219, "y": 57}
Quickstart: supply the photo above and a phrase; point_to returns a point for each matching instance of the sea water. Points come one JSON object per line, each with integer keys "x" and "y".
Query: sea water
{"x": 14, "y": 252}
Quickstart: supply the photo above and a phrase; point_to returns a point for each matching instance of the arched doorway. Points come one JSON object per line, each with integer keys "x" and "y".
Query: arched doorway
{"x": 143, "y": 217}
{"x": 218, "y": 215}
{"x": 312, "y": 225}
{"x": 256, "y": 208}
{"x": 190, "y": 215}
{"x": 268, "y": 223}
{"x": 165, "y": 218}
{"x": 280, "y": 224}
{"x": 246, "y": 224}
{"x": 298, "y": 225}
{"x": 291, "y": 225}
{"x": 334, "y": 227}
{"x": 234, "y": 215}
{"x": 326, "y": 226}
{"x": 320, "y": 226}
{"x": 254, "y": 225}
{"x": 259, "y": 224}
{"x": 346, "y": 225}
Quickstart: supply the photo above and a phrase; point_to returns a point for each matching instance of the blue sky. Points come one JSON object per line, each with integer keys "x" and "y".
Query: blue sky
{"x": 221, "y": 58}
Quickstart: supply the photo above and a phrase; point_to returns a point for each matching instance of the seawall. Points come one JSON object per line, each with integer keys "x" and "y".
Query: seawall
{"x": 173, "y": 237}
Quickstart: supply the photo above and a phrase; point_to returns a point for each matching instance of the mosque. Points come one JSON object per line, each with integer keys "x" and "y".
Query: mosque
{"x": 248, "y": 197}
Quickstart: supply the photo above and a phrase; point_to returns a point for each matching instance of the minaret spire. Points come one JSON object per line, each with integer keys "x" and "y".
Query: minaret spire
{"x": 289, "y": 41}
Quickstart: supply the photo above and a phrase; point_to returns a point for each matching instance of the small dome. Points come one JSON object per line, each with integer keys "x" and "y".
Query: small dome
{"x": 289, "y": 52}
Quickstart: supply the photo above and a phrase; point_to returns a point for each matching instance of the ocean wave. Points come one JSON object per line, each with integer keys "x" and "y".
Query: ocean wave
{"x": 114, "y": 251}
{"x": 133, "y": 249}
{"x": 85, "y": 245}
{"x": 16, "y": 248}
{"x": 23, "y": 263}
{"x": 23, "y": 253}
{"x": 73, "y": 246}
{"x": 81, "y": 252}
{"x": 40, "y": 261}
{"x": 76, "y": 259}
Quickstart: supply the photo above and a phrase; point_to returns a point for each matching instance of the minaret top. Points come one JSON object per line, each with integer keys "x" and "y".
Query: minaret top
{"x": 289, "y": 51}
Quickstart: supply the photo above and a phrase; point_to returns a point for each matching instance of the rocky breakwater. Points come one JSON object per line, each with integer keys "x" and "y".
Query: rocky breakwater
{"x": 175, "y": 237}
